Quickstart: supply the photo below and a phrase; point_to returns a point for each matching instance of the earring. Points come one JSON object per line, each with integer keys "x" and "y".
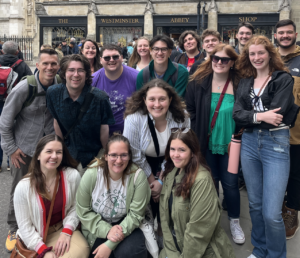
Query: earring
{"x": 231, "y": 68}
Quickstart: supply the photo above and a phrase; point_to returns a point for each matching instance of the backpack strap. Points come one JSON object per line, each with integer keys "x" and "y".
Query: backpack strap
{"x": 16, "y": 64}
{"x": 58, "y": 79}
{"x": 146, "y": 74}
{"x": 174, "y": 76}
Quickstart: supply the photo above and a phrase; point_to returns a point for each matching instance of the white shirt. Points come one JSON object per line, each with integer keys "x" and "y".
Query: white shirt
{"x": 162, "y": 138}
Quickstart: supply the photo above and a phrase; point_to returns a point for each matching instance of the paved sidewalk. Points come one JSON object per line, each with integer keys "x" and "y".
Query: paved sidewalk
{"x": 241, "y": 251}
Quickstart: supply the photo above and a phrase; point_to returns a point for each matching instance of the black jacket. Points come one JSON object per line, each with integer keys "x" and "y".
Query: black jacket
{"x": 198, "y": 103}
{"x": 64, "y": 49}
{"x": 183, "y": 58}
{"x": 278, "y": 93}
{"x": 22, "y": 69}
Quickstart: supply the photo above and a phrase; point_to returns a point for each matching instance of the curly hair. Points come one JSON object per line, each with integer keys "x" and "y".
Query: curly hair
{"x": 191, "y": 170}
{"x": 97, "y": 64}
{"x": 66, "y": 60}
{"x": 183, "y": 36}
{"x": 205, "y": 68}
{"x": 137, "y": 101}
{"x": 275, "y": 64}
{"x": 135, "y": 57}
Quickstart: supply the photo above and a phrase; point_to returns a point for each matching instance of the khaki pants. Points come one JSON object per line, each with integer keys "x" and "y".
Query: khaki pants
{"x": 79, "y": 247}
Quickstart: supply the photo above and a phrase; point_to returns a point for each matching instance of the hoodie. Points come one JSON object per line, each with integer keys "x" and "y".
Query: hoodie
{"x": 292, "y": 61}
{"x": 22, "y": 69}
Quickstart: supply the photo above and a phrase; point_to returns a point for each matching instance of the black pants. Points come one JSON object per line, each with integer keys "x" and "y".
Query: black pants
{"x": 293, "y": 188}
{"x": 132, "y": 246}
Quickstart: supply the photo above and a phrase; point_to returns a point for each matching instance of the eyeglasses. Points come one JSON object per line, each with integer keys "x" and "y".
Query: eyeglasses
{"x": 182, "y": 130}
{"x": 79, "y": 71}
{"x": 157, "y": 49}
{"x": 108, "y": 58}
{"x": 114, "y": 156}
{"x": 224, "y": 60}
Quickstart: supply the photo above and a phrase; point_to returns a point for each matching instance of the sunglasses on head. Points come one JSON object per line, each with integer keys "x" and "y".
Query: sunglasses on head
{"x": 108, "y": 58}
{"x": 182, "y": 130}
{"x": 224, "y": 60}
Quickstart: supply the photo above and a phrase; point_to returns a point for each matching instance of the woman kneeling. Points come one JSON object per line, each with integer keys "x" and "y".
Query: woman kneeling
{"x": 51, "y": 166}
{"x": 189, "y": 207}
{"x": 111, "y": 203}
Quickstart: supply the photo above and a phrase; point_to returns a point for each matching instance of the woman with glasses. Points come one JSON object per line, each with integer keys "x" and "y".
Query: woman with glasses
{"x": 111, "y": 203}
{"x": 161, "y": 67}
{"x": 215, "y": 76}
{"x": 91, "y": 51}
{"x": 149, "y": 116}
{"x": 189, "y": 206}
{"x": 265, "y": 108}
{"x": 140, "y": 57}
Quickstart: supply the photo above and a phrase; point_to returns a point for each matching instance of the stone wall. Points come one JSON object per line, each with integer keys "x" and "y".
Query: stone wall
{"x": 248, "y": 6}
{"x": 66, "y": 10}
{"x": 295, "y": 15}
{"x": 121, "y": 9}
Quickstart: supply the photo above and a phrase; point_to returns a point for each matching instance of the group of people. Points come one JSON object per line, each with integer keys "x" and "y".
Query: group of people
{"x": 155, "y": 132}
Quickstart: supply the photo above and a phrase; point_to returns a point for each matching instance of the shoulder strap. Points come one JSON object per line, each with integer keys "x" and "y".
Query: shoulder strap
{"x": 32, "y": 90}
{"x": 146, "y": 74}
{"x": 83, "y": 109}
{"x": 136, "y": 174}
{"x": 58, "y": 79}
{"x": 154, "y": 136}
{"x": 175, "y": 75}
{"x": 51, "y": 209}
{"x": 16, "y": 64}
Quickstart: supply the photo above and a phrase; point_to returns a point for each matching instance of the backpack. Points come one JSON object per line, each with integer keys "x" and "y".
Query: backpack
{"x": 32, "y": 89}
{"x": 8, "y": 79}
{"x": 173, "y": 77}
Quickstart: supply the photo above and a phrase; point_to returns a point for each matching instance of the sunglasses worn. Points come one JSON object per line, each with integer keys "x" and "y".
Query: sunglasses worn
{"x": 182, "y": 130}
{"x": 224, "y": 60}
{"x": 108, "y": 58}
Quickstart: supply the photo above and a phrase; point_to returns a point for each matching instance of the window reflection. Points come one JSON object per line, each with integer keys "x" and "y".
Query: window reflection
{"x": 119, "y": 34}
{"x": 52, "y": 35}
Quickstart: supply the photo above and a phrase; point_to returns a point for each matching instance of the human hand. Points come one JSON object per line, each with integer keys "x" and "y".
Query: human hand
{"x": 62, "y": 245}
{"x": 16, "y": 158}
{"x": 50, "y": 254}
{"x": 270, "y": 117}
{"x": 156, "y": 198}
{"x": 102, "y": 251}
{"x": 115, "y": 234}
{"x": 155, "y": 188}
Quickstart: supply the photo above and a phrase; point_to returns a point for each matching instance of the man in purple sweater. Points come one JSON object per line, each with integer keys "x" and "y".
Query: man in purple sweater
{"x": 117, "y": 80}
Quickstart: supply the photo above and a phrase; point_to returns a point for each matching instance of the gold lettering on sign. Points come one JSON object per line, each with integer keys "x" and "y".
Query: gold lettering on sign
{"x": 247, "y": 19}
{"x": 180, "y": 20}
{"x": 63, "y": 21}
{"x": 120, "y": 20}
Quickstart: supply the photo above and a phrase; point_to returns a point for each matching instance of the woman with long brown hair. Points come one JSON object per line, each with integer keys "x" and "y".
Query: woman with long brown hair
{"x": 214, "y": 78}
{"x": 265, "y": 108}
{"x": 189, "y": 206}
{"x": 91, "y": 51}
{"x": 140, "y": 57}
{"x": 51, "y": 162}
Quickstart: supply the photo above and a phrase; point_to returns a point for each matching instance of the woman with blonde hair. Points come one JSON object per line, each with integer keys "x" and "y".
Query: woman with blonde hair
{"x": 265, "y": 108}
{"x": 140, "y": 57}
{"x": 216, "y": 81}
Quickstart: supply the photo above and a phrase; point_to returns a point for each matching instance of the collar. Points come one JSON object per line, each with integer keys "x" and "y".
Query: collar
{"x": 80, "y": 100}
{"x": 169, "y": 116}
{"x": 170, "y": 70}
{"x": 196, "y": 56}
{"x": 38, "y": 77}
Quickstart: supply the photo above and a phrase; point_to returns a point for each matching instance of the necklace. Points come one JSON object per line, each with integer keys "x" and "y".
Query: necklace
{"x": 48, "y": 189}
{"x": 219, "y": 87}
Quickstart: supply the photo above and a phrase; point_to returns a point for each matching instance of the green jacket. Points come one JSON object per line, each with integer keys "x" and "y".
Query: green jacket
{"x": 182, "y": 79}
{"x": 93, "y": 226}
{"x": 196, "y": 220}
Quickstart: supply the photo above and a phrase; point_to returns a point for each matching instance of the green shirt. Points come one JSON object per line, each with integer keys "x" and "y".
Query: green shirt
{"x": 225, "y": 125}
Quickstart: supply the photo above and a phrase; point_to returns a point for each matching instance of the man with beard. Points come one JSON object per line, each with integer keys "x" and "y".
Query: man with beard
{"x": 290, "y": 53}
{"x": 245, "y": 33}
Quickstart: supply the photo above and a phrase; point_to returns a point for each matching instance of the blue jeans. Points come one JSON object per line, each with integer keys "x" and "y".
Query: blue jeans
{"x": 218, "y": 165}
{"x": 265, "y": 157}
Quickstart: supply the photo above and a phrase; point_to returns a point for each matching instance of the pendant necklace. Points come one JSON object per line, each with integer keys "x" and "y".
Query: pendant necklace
{"x": 48, "y": 189}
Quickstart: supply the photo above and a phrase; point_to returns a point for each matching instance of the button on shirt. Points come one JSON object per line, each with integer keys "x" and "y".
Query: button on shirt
{"x": 84, "y": 140}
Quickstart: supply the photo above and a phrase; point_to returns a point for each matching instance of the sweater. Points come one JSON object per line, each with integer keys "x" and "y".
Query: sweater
{"x": 31, "y": 213}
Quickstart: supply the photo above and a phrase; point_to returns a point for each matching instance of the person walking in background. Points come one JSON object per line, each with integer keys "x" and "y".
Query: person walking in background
{"x": 90, "y": 50}
{"x": 265, "y": 108}
{"x": 130, "y": 48}
{"x": 161, "y": 67}
{"x": 59, "y": 50}
{"x": 140, "y": 57}
{"x": 213, "y": 78}
{"x": 64, "y": 47}
{"x": 75, "y": 46}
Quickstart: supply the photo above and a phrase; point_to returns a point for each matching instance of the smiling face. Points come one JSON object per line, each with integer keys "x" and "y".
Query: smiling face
{"x": 118, "y": 166}
{"x": 180, "y": 153}
{"x": 220, "y": 68}
{"x": 244, "y": 35}
{"x": 157, "y": 102}
{"x": 48, "y": 66}
{"x": 143, "y": 47}
{"x": 111, "y": 65}
{"x": 209, "y": 43}
{"x": 189, "y": 43}
{"x": 75, "y": 76}
{"x": 286, "y": 36}
{"x": 259, "y": 57}
{"x": 160, "y": 52}
{"x": 89, "y": 50}
{"x": 51, "y": 156}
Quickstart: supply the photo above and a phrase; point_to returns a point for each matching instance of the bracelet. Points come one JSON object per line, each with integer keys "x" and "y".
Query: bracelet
{"x": 65, "y": 234}
{"x": 160, "y": 181}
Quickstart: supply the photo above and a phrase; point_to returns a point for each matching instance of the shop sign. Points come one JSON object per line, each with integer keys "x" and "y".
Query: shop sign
{"x": 63, "y": 21}
{"x": 247, "y": 19}
{"x": 180, "y": 20}
{"x": 120, "y": 21}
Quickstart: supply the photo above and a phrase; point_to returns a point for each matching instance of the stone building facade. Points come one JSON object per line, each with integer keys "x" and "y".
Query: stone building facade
{"x": 106, "y": 21}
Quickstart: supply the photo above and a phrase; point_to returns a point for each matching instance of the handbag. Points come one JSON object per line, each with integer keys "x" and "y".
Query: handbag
{"x": 21, "y": 250}
{"x": 147, "y": 227}
{"x": 234, "y": 147}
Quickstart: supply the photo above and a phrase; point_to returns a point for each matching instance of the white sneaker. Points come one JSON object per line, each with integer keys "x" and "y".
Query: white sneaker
{"x": 237, "y": 233}
{"x": 252, "y": 256}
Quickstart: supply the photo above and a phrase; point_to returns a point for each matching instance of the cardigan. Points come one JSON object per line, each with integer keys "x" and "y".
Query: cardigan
{"x": 93, "y": 226}
{"x": 31, "y": 213}
{"x": 137, "y": 131}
